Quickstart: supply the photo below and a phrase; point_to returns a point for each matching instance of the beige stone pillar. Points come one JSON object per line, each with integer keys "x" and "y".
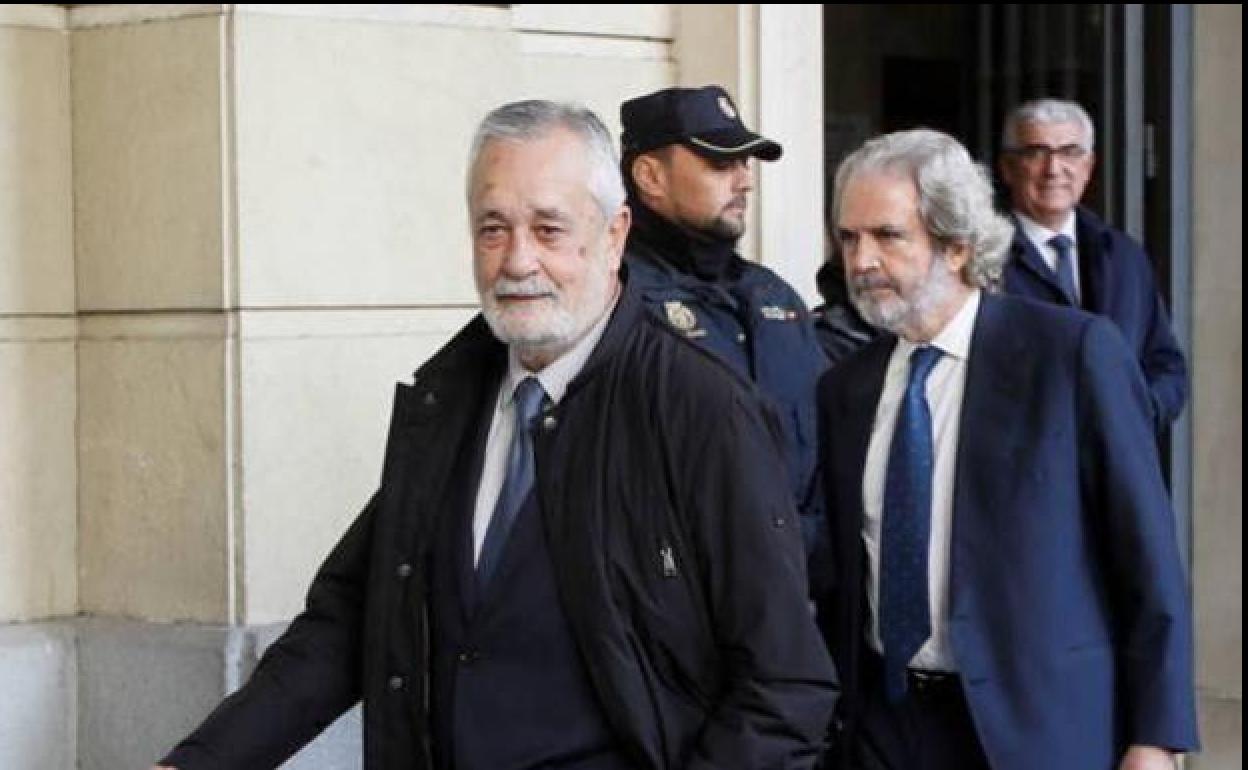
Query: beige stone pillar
{"x": 1217, "y": 381}
{"x": 38, "y": 468}
{"x": 151, "y": 239}
{"x": 38, "y": 471}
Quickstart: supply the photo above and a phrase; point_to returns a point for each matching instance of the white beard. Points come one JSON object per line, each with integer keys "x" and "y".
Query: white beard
{"x": 897, "y": 313}
{"x": 555, "y": 322}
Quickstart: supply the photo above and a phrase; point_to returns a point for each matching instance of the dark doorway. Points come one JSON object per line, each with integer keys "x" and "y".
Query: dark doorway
{"x": 960, "y": 68}
{"x": 893, "y": 67}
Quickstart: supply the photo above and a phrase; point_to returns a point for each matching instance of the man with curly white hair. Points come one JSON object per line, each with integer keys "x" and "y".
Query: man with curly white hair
{"x": 1009, "y": 592}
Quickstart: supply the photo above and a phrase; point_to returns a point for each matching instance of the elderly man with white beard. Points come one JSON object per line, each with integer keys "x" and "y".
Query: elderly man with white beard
{"x": 582, "y": 554}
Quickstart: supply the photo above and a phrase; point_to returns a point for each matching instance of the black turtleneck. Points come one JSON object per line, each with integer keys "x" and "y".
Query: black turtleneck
{"x": 708, "y": 259}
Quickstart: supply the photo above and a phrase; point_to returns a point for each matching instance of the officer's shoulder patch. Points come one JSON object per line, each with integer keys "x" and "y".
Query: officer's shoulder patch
{"x": 778, "y": 313}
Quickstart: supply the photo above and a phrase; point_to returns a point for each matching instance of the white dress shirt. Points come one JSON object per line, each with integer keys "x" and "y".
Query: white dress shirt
{"x": 1039, "y": 235}
{"x": 554, "y": 379}
{"x": 945, "y": 387}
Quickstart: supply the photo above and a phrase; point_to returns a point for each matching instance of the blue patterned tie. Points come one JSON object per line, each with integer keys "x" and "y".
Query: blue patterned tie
{"x": 518, "y": 483}
{"x": 905, "y": 622}
{"x": 1065, "y": 270}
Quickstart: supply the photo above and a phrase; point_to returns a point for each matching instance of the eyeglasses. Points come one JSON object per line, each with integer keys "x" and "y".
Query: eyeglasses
{"x": 1041, "y": 153}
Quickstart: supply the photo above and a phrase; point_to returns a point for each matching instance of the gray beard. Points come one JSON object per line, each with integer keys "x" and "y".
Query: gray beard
{"x": 901, "y": 314}
{"x": 565, "y": 323}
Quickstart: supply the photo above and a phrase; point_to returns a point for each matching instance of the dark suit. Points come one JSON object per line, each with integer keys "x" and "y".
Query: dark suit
{"x": 1068, "y": 612}
{"x": 1116, "y": 280}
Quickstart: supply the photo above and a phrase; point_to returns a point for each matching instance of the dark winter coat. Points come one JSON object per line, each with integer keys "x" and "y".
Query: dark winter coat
{"x": 674, "y": 543}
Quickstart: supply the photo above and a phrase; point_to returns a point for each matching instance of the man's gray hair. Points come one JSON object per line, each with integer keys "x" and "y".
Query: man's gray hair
{"x": 1047, "y": 111}
{"x": 534, "y": 119}
{"x": 954, "y": 195}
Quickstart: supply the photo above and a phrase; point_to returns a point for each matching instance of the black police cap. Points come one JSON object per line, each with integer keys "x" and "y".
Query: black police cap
{"x": 703, "y": 119}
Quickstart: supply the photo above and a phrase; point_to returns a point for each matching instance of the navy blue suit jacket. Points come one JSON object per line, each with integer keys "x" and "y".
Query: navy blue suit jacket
{"x": 1069, "y": 615}
{"x": 1116, "y": 280}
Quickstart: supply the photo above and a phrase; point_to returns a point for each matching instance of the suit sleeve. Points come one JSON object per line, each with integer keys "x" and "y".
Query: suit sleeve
{"x": 1147, "y": 327}
{"x": 305, "y": 680}
{"x": 1164, "y": 366}
{"x": 1148, "y": 590}
{"x": 779, "y": 685}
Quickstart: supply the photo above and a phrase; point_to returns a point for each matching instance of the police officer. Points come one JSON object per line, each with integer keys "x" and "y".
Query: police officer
{"x": 839, "y": 327}
{"x": 686, "y": 162}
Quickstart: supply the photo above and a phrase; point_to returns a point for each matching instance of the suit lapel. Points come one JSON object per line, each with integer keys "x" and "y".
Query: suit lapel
{"x": 988, "y": 435}
{"x": 992, "y": 440}
{"x": 1093, "y": 265}
{"x": 1025, "y": 254}
{"x": 999, "y": 369}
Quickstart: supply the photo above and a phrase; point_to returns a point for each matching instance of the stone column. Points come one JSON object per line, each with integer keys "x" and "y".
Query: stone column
{"x": 1218, "y": 381}
{"x": 38, "y": 467}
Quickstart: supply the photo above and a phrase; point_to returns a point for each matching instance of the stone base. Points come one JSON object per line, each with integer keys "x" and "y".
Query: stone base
{"x": 1221, "y": 734}
{"x": 99, "y": 694}
{"x": 38, "y": 697}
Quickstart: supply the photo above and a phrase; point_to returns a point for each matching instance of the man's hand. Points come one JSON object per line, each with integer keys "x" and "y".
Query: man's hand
{"x": 1147, "y": 758}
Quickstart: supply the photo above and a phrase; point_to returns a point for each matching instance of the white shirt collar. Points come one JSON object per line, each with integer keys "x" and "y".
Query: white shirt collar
{"x": 558, "y": 373}
{"x": 1041, "y": 235}
{"x": 955, "y": 339}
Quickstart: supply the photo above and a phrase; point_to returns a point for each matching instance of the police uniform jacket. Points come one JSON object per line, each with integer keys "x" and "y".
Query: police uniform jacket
{"x": 751, "y": 319}
{"x": 675, "y": 549}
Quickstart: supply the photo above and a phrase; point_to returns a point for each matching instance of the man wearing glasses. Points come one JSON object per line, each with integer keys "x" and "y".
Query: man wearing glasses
{"x": 1063, "y": 253}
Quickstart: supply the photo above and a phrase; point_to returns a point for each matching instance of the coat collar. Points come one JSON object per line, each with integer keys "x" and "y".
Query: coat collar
{"x": 678, "y": 252}
{"x": 1094, "y": 240}
{"x": 998, "y": 353}
{"x": 474, "y": 359}
{"x": 629, "y": 311}
{"x": 1024, "y": 252}
{"x": 1000, "y": 368}
{"x": 1095, "y": 252}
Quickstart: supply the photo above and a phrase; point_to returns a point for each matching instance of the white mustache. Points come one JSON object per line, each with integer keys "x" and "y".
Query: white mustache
{"x": 868, "y": 281}
{"x": 533, "y": 286}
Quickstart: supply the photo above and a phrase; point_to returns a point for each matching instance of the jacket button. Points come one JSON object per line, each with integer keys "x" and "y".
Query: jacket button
{"x": 549, "y": 422}
{"x": 741, "y": 337}
{"x": 431, "y": 398}
{"x": 468, "y": 657}
{"x": 404, "y": 570}
{"x": 395, "y": 683}
{"x": 778, "y": 521}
